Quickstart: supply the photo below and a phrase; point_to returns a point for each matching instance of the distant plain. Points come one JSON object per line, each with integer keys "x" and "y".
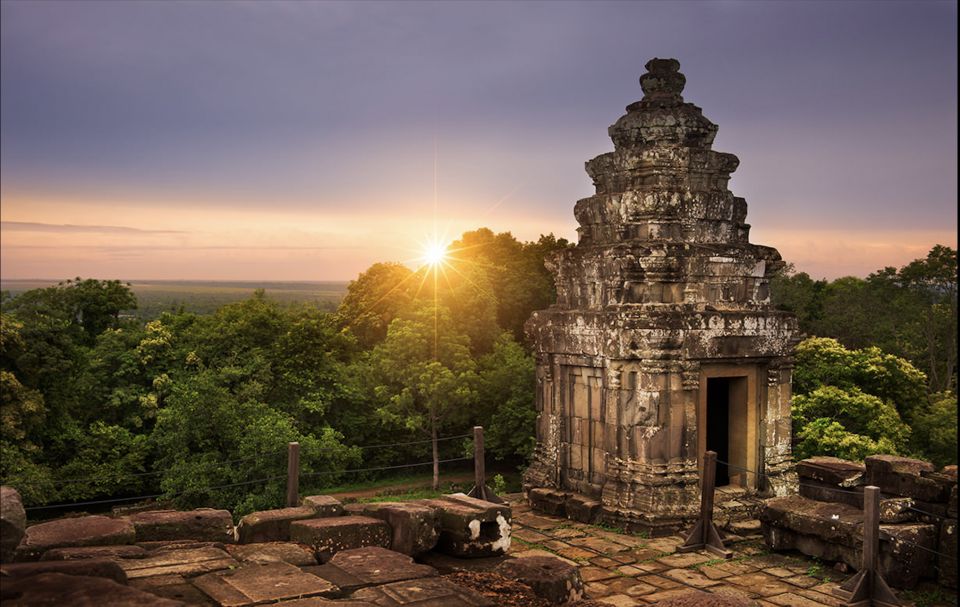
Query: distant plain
{"x": 204, "y": 297}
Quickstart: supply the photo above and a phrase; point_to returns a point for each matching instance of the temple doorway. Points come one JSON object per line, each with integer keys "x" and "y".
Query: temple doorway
{"x": 727, "y": 424}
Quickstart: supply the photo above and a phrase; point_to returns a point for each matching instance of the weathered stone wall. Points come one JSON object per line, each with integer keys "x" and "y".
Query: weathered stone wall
{"x": 918, "y": 516}
{"x": 662, "y": 290}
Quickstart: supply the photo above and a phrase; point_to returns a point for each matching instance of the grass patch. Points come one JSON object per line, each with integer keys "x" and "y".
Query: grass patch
{"x": 929, "y": 597}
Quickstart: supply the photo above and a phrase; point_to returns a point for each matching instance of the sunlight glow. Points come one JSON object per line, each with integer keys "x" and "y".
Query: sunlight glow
{"x": 434, "y": 254}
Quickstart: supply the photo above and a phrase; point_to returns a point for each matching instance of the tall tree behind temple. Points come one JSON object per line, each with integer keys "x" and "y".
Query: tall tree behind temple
{"x": 910, "y": 312}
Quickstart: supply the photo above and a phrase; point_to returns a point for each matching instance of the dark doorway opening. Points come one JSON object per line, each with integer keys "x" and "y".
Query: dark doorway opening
{"x": 718, "y": 425}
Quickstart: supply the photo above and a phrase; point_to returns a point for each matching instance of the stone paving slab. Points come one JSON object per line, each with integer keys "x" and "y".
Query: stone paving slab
{"x": 256, "y": 584}
{"x": 273, "y": 552}
{"x": 187, "y": 562}
{"x": 174, "y": 587}
{"x": 428, "y": 592}
{"x": 330, "y": 535}
{"x": 202, "y": 524}
{"x": 354, "y": 569}
{"x": 94, "y": 530}
{"x": 650, "y": 570}
{"x": 77, "y": 591}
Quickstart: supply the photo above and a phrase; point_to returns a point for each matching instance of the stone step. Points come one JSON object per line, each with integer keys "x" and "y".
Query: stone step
{"x": 86, "y": 567}
{"x": 327, "y": 536}
{"x": 351, "y": 570}
{"x": 415, "y": 528}
{"x": 425, "y": 592}
{"x": 834, "y": 532}
{"x": 271, "y": 525}
{"x": 470, "y": 527}
{"x": 94, "y": 530}
{"x": 80, "y": 591}
{"x": 201, "y": 525}
{"x": 186, "y": 562}
{"x": 273, "y": 552}
{"x": 256, "y": 584}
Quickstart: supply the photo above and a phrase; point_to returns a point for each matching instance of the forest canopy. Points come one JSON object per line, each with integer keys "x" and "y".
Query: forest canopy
{"x": 198, "y": 408}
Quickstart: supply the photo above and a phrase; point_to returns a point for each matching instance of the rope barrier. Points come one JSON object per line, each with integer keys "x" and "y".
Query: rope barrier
{"x": 897, "y": 540}
{"x": 260, "y": 457}
{"x": 885, "y": 534}
{"x": 68, "y": 481}
{"x": 239, "y": 484}
{"x": 763, "y": 474}
{"x": 156, "y": 495}
{"x": 443, "y": 461}
{"x": 417, "y": 442}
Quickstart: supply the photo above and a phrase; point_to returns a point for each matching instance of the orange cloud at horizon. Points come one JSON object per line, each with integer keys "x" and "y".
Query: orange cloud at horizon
{"x": 49, "y": 239}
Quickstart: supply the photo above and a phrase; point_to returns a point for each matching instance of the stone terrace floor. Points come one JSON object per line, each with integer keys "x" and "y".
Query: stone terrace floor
{"x": 624, "y": 570}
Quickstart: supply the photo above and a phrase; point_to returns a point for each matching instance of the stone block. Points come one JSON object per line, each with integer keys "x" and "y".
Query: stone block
{"x": 350, "y": 570}
{"x": 549, "y": 501}
{"x": 94, "y": 552}
{"x": 78, "y": 591}
{"x": 187, "y": 562}
{"x": 92, "y": 530}
{"x": 203, "y": 525}
{"x": 470, "y": 527}
{"x": 330, "y": 535}
{"x": 952, "y": 503}
{"x": 273, "y": 552}
{"x": 88, "y": 567}
{"x": 897, "y": 510}
{"x": 426, "y": 592}
{"x": 13, "y": 522}
{"x": 582, "y": 509}
{"x": 553, "y": 579}
{"x": 416, "y": 528}
{"x": 697, "y": 598}
{"x": 271, "y": 525}
{"x": 834, "y": 532}
{"x": 947, "y": 547}
{"x": 906, "y": 477}
{"x": 323, "y": 505}
{"x": 256, "y": 584}
{"x": 823, "y": 492}
{"x": 180, "y": 545}
{"x": 832, "y": 471}
{"x": 174, "y": 587}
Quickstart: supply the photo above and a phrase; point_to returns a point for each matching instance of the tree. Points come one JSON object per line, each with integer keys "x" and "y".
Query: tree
{"x": 520, "y": 282}
{"x": 935, "y": 429}
{"x": 505, "y": 393}
{"x": 825, "y": 362}
{"x": 934, "y": 282}
{"x": 910, "y": 313}
{"x": 846, "y": 423}
{"x": 425, "y": 375}
{"x": 374, "y": 299}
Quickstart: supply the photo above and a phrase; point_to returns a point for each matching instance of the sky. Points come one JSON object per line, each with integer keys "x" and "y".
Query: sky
{"x": 307, "y": 140}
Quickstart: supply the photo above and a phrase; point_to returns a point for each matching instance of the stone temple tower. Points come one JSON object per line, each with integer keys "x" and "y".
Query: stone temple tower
{"x": 663, "y": 343}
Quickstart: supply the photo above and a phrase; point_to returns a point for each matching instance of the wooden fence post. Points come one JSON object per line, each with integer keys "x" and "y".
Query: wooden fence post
{"x": 293, "y": 474}
{"x": 480, "y": 489}
{"x": 705, "y": 535}
{"x": 868, "y": 587}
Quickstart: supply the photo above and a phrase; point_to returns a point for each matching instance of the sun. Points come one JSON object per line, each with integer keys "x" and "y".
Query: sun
{"x": 434, "y": 254}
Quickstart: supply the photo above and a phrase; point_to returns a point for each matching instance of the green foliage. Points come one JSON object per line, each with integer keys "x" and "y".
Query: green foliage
{"x": 200, "y": 407}
{"x": 909, "y": 313}
{"x": 825, "y": 362}
{"x": 935, "y": 429}
{"x": 506, "y": 393}
{"x": 374, "y": 299}
{"x": 846, "y": 423}
{"x": 519, "y": 280}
